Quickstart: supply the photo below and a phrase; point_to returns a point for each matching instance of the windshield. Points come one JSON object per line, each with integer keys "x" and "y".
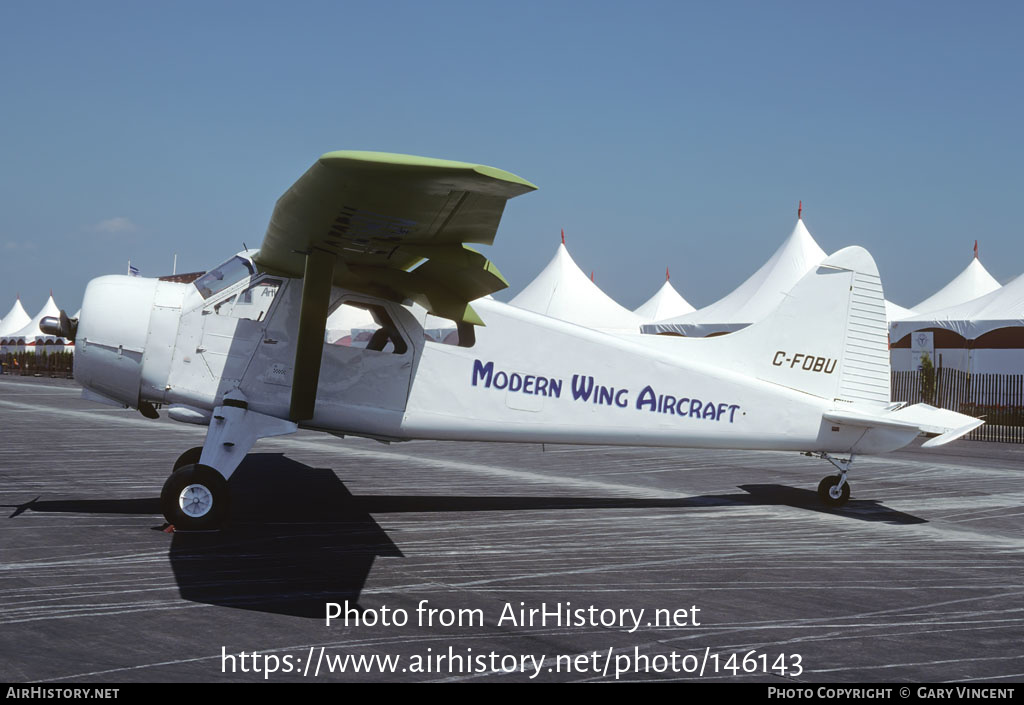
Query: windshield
{"x": 234, "y": 270}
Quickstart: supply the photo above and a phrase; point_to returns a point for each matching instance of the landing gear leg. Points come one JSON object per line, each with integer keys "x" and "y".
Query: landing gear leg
{"x": 834, "y": 490}
{"x": 195, "y": 496}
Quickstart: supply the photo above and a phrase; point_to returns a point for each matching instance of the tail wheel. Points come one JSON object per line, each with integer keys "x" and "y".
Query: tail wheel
{"x": 831, "y": 494}
{"x": 195, "y": 497}
{"x": 189, "y": 457}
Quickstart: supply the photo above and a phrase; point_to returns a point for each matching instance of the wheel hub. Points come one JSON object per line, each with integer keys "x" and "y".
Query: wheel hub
{"x": 195, "y": 501}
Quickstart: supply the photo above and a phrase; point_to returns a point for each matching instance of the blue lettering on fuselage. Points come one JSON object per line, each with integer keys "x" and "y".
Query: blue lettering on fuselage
{"x": 586, "y": 390}
{"x": 684, "y": 406}
{"x": 485, "y": 375}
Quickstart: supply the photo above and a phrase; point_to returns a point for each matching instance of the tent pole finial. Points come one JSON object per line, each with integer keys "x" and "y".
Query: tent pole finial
{"x": 800, "y": 210}
{"x": 975, "y": 249}
{"x": 666, "y": 273}
{"x": 563, "y": 236}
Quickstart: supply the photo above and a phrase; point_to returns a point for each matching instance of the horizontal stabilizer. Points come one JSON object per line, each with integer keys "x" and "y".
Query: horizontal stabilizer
{"x": 952, "y": 435}
{"x": 923, "y": 418}
{"x": 950, "y": 425}
{"x": 861, "y": 420}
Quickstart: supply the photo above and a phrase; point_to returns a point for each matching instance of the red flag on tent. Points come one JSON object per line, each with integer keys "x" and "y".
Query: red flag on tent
{"x": 975, "y": 249}
{"x": 563, "y": 236}
{"x": 799, "y": 210}
{"x": 666, "y": 273}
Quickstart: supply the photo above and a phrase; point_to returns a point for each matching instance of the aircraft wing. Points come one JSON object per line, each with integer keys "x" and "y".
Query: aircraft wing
{"x": 389, "y": 225}
{"x": 374, "y": 216}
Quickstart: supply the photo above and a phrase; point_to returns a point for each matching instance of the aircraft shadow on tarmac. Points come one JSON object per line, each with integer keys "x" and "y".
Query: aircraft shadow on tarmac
{"x": 755, "y": 495}
{"x": 297, "y": 538}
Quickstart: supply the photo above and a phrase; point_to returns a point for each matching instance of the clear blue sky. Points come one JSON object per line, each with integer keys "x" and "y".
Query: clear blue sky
{"x": 675, "y": 133}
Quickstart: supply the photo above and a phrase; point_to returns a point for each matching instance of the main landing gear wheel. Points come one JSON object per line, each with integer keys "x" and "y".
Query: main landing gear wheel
{"x": 195, "y": 497}
{"x": 189, "y": 457}
{"x": 831, "y": 494}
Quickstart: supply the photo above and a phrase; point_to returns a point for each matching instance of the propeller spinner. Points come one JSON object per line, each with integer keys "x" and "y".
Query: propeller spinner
{"x": 63, "y": 326}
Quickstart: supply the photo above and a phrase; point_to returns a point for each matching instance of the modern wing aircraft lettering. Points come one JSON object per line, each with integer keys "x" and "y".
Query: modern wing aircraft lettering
{"x": 248, "y": 348}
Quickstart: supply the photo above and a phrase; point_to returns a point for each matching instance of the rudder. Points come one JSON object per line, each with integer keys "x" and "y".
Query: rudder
{"x": 827, "y": 338}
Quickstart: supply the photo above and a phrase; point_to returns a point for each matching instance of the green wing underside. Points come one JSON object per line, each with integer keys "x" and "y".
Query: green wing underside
{"x": 379, "y": 215}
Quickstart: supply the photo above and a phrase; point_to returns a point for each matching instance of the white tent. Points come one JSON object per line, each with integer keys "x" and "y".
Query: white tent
{"x": 756, "y": 297}
{"x": 15, "y": 320}
{"x": 971, "y": 283}
{"x": 563, "y": 291}
{"x": 895, "y": 312}
{"x": 30, "y": 334}
{"x": 982, "y": 335}
{"x": 1002, "y": 308}
{"x": 666, "y": 303}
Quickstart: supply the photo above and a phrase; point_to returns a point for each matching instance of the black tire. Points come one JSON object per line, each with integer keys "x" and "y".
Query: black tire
{"x": 189, "y": 457}
{"x": 825, "y": 491}
{"x": 194, "y": 498}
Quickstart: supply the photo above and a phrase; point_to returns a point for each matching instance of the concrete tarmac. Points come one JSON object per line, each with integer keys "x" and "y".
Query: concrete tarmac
{"x": 444, "y": 548}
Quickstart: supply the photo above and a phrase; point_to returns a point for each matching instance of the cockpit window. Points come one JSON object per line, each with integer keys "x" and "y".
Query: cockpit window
{"x": 234, "y": 270}
{"x": 367, "y": 326}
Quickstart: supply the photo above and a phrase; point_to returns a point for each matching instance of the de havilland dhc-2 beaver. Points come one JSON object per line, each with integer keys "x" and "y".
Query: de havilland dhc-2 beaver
{"x": 243, "y": 348}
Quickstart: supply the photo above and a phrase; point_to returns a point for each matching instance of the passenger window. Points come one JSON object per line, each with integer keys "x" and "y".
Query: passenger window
{"x": 254, "y": 303}
{"x": 358, "y": 325}
{"x": 223, "y": 308}
{"x": 463, "y": 335}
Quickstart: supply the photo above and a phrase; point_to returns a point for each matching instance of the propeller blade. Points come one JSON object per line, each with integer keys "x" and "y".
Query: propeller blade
{"x": 68, "y": 326}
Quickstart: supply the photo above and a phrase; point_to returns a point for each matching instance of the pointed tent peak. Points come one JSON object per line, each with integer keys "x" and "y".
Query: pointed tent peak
{"x": 15, "y": 320}
{"x": 801, "y": 240}
{"x": 50, "y": 308}
{"x": 974, "y": 281}
{"x": 30, "y": 329}
{"x": 999, "y": 308}
{"x": 895, "y": 312}
{"x": 562, "y": 253}
{"x": 563, "y": 290}
{"x": 669, "y": 292}
{"x": 666, "y": 303}
{"x": 978, "y": 270}
{"x": 759, "y": 294}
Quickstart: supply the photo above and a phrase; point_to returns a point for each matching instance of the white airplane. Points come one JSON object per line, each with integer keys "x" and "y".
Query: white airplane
{"x": 243, "y": 350}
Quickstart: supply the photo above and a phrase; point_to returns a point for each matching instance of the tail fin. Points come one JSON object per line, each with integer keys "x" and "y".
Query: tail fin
{"x": 829, "y": 337}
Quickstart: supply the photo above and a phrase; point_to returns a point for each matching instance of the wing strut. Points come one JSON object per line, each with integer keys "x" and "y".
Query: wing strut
{"x": 316, "y": 299}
